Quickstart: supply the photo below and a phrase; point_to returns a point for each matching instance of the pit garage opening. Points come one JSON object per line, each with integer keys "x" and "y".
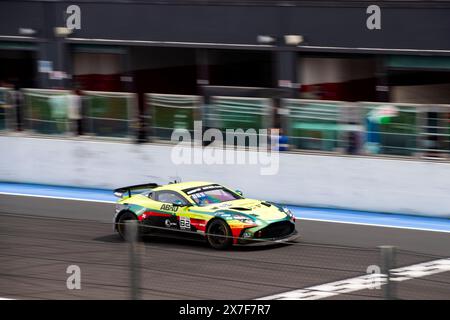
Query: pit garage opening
{"x": 245, "y": 68}
{"x": 326, "y": 119}
{"x": 98, "y": 68}
{"x": 337, "y": 77}
{"x": 18, "y": 65}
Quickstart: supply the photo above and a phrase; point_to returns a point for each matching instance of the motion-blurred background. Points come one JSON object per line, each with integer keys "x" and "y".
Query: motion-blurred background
{"x": 149, "y": 65}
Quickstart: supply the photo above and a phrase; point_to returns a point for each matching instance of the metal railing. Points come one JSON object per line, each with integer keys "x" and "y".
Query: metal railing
{"x": 104, "y": 114}
{"x": 314, "y": 125}
{"x": 361, "y": 128}
{"x": 249, "y": 114}
{"x": 46, "y": 111}
{"x": 391, "y": 134}
{"x": 4, "y": 106}
{"x": 239, "y": 112}
{"x": 434, "y": 131}
{"x": 368, "y": 128}
{"x": 169, "y": 112}
{"x": 109, "y": 114}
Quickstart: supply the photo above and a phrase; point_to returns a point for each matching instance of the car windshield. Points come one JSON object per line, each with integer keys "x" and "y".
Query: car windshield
{"x": 206, "y": 197}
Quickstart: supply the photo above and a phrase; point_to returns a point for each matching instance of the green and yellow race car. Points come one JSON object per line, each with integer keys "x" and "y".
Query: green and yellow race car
{"x": 209, "y": 210}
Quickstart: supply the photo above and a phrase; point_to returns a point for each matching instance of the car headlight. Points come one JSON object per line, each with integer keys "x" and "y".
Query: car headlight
{"x": 243, "y": 219}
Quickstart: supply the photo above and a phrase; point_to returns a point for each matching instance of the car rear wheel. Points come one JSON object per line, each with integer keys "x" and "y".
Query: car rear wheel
{"x": 219, "y": 235}
{"x": 122, "y": 224}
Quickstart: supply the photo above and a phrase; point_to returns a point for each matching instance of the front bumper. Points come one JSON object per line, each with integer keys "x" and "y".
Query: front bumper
{"x": 268, "y": 241}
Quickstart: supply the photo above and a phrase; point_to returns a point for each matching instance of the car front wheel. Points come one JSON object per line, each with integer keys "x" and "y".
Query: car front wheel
{"x": 219, "y": 235}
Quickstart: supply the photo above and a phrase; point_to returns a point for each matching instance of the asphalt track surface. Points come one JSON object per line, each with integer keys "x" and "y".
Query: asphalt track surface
{"x": 41, "y": 237}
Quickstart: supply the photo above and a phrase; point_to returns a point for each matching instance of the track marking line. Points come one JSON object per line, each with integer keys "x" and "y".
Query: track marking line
{"x": 373, "y": 225}
{"x": 54, "y": 197}
{"x": 369, "y": 281}
{"x": 299, "y": 216}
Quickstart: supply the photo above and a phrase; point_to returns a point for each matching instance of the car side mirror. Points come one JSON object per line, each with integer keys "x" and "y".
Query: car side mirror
{"x": 239, "y": 192}
{"x": 180, "y": 204}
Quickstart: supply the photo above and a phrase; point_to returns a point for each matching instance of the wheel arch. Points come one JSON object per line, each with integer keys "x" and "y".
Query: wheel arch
{"x": 121, "y": 213}
{"x": 214, "y": 219}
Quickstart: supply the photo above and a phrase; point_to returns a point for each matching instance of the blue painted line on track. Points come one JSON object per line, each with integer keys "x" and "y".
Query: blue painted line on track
{"x": 318, "y": 214}
{"x": 57, "y": 191}
{"x": 373, "y": 218}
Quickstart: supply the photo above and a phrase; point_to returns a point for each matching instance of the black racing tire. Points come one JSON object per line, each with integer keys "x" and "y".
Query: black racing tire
{"x": 121, "y": 224}
{"x": 218, "y": 235}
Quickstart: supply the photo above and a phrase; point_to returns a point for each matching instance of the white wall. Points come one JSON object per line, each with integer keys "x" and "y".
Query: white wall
{"x": 371, "y": 184}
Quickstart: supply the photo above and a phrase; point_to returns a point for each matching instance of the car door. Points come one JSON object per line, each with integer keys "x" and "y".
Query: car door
{"x": 173, "y": 210}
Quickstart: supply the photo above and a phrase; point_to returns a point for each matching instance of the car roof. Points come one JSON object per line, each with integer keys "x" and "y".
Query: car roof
{"x": 183, "y": 185}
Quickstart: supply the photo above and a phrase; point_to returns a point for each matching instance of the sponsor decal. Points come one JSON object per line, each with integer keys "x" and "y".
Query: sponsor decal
{"x": 155, "y": 214}
{"x": 205, "y": 188}
{"x": 169, "y": 224}
{"x": 223, "y": 215}
{"x": 199, "y": 224}
{"x": 169, "y": 207}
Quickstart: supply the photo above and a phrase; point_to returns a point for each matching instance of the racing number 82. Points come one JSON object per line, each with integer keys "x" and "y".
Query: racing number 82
{"x": 185, "y": 223}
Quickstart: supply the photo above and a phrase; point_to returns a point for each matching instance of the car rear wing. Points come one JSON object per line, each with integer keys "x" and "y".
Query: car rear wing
{"x": 120, "y": 192}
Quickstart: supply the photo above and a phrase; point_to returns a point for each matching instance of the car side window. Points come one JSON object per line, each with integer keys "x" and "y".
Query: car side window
{"x": 170, "y": 197}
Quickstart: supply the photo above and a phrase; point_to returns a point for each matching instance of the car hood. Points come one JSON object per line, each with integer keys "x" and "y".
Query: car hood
{"x": 249, "y": 207}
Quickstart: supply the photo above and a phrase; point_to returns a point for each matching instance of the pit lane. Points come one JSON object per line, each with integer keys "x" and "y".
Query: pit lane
{"x": 41, "y": 237}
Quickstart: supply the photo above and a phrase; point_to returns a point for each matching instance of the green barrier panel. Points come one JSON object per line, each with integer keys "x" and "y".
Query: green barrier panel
{"x": 46, "y": 111}
{"x": 3, "y": 93}
{"x": 108, "y": 114}
{"x": 170, "y": 112}
{"x": 235, "y": 113}
{"x": 313, "y": 124}
{"x": 239, "y": 113}
{"x": 397, "y": 129}
{"x": 447, "y": 140}
{"x": 444, "y": 129}
{"x": 447, "y": 122}
{"x": 435, "y": 133}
